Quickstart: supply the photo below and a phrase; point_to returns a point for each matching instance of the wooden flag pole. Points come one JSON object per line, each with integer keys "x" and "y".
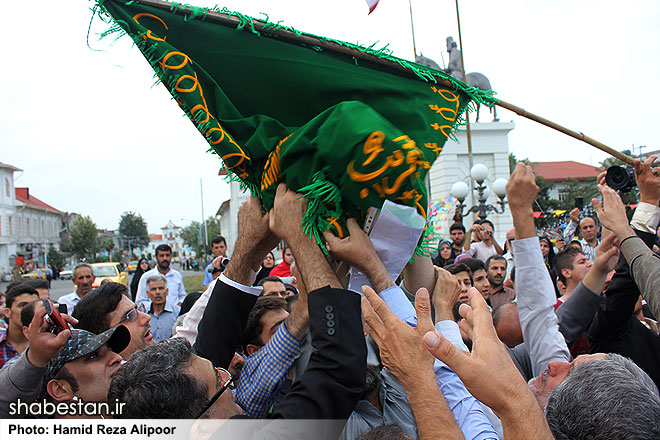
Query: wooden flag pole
{"x": 574, "y": 134}
{"x": 227, "y": 20}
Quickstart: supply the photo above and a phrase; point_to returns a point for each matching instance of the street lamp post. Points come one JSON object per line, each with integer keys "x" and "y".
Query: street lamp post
{"x": 460, "y": 191}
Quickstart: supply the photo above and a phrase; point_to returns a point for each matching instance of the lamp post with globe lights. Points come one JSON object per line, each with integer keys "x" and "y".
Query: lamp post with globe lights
{"x": 460, "y": 191}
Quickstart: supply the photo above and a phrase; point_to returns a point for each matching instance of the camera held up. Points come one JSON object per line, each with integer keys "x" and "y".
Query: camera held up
{"x": 621, "y": 179}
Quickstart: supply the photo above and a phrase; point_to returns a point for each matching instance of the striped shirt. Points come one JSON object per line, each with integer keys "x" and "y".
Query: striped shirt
{"x": 264, "y": 372}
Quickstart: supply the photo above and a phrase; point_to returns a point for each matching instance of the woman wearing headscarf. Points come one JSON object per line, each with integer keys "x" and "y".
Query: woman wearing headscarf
{"x": 284, "y": 268}
{"x": 142, "y": 267}
{"x": 444, "y": 257}
{"x": 266, "y": 266}
{"x": 548, "y": 251}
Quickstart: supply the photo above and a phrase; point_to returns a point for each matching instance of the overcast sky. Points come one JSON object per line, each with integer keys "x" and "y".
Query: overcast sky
{"x": 94, "y": 137}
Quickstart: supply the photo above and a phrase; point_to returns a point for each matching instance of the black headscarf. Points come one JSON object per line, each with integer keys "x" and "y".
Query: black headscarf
{"x": 136, "y": 277}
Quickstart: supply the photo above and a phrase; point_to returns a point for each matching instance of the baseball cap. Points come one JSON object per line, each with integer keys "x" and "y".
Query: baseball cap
{"x": 83, "y": 343}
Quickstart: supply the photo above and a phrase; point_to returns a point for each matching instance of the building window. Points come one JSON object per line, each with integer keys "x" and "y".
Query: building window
{"x": 7, "y": 188}
{"x": 11, "y": 225}
{"x": 562, "y": 195}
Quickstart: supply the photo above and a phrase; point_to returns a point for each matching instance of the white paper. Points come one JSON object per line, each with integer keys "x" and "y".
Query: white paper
{"x": 394, "y": 237}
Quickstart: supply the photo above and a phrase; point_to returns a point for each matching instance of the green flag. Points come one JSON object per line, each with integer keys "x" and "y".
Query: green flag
{"x": 347, "y": 134}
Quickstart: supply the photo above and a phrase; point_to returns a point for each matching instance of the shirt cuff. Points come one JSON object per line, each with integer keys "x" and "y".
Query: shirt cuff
{"x": 397, "y": 301}
{"x": 449, "y": 329}
{"x": 256, "y": 291}
{"x": 646, "y": 217}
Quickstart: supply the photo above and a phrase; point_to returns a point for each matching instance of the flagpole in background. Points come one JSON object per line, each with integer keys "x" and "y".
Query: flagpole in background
{"x": 206, "y": 231}
{"x": 412, "y": 28}
{"x": 467, "y": 114}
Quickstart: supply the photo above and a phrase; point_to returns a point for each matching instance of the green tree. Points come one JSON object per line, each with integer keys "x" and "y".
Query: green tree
{"x": 108, "y": 245}
{"x": 84, "y": 238}
{"x": 55, "y": 258}
{"x": 587, "y": 189}
{"x": 133, "y": 227}
{"x": 193, "y": 234}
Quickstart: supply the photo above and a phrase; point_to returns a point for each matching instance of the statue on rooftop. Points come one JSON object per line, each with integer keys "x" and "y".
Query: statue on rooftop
{"x": 455, "y": 69}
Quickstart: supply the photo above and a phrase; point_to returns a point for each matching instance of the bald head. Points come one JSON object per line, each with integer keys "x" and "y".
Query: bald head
{"x": 589, "y": 229}
{"x": 507, "y": 324}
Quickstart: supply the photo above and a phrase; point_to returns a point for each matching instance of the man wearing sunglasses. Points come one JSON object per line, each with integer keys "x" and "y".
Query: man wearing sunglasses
{"x": 334, "y": 380}
{"x": 108, "y": 306}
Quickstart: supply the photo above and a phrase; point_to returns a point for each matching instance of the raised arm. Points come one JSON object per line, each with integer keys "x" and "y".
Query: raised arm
{"x": 578, "y": 310}
{"x": 490, "y": 375}
{"x": 534, "y": 291}
{"x": 645, "y": 265}
{"x": 357, "y": 250}
{"x": 571, "y": 226}
{"x": 334, "y": 379}
{"x": 405, "y": 356}
{"x": 232, "y": 299}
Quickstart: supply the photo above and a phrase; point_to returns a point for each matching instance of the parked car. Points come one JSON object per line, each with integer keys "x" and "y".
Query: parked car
{"x": 132, "y": 266}
{"x": 67, "y": 273}
{"x": 34, "y": 274}
{"x": 112, "y": 271}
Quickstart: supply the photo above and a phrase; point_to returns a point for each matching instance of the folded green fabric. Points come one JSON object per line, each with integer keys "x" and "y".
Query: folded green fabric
{"x": 347, "y": 134}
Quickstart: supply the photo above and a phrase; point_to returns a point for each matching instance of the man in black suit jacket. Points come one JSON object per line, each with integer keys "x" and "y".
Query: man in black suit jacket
{"x": 167, "y": 381}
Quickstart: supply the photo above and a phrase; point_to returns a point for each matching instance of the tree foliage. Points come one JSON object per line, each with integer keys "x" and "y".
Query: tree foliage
{"x": 133, "y": 227}
{"x": 55, "y": 258}
{"x": 84, "y": 238}
{"x": 193, "y": 234}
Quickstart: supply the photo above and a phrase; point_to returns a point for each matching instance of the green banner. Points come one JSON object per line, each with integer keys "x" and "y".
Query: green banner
{"x": 347, "y": 133}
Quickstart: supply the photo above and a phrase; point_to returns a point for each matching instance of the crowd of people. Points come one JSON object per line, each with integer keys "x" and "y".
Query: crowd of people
{"x": 489, "y": 342}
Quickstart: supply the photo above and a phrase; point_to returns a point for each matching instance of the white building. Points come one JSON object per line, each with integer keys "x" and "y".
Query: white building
{"x": 490, "y": 146}
{"x": 170, "y": 235}
{"x": 28, "y": 226}
{"x": 228, "y": 212}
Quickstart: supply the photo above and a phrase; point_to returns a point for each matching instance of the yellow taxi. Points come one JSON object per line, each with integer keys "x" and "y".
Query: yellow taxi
{"x": 109, "y": 271}
{"x": 33, "y": 274}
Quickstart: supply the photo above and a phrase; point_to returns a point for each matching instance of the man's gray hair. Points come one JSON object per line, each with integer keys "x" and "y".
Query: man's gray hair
{"x": 155, "y": 279}
{"x": 80, "y": 265}
{"x": 605, "y": 399}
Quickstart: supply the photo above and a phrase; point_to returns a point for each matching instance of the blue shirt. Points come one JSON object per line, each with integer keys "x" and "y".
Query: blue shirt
{"x": 161, "y": 324}
{"x": 208, "y": 277}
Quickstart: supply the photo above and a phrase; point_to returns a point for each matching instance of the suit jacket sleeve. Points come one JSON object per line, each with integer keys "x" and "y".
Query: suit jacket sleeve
{"x": 614, "y": 317}
{"x": 334, "y": 380}
{"x": 645, "y": 270}
{"x": 577, "y": 312}
{"x": 224, "y": 319}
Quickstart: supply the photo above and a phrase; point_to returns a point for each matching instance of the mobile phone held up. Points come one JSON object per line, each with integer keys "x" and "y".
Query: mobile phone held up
{"x": 54, "y": 317}
{"x": 579, "y": 203}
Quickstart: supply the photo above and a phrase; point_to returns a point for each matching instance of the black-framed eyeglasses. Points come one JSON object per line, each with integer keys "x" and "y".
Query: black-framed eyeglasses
{"x": 133, "y": 314}
{"x": 219, "y": 372}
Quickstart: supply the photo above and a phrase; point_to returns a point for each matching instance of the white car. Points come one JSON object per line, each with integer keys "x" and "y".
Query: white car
{"x": 66, "y": 274}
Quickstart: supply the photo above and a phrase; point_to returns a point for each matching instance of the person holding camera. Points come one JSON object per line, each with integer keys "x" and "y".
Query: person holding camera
{"x": 588, "y": 230}
{"x": 219, "y": 249}
{"x": 485, "y": 246}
